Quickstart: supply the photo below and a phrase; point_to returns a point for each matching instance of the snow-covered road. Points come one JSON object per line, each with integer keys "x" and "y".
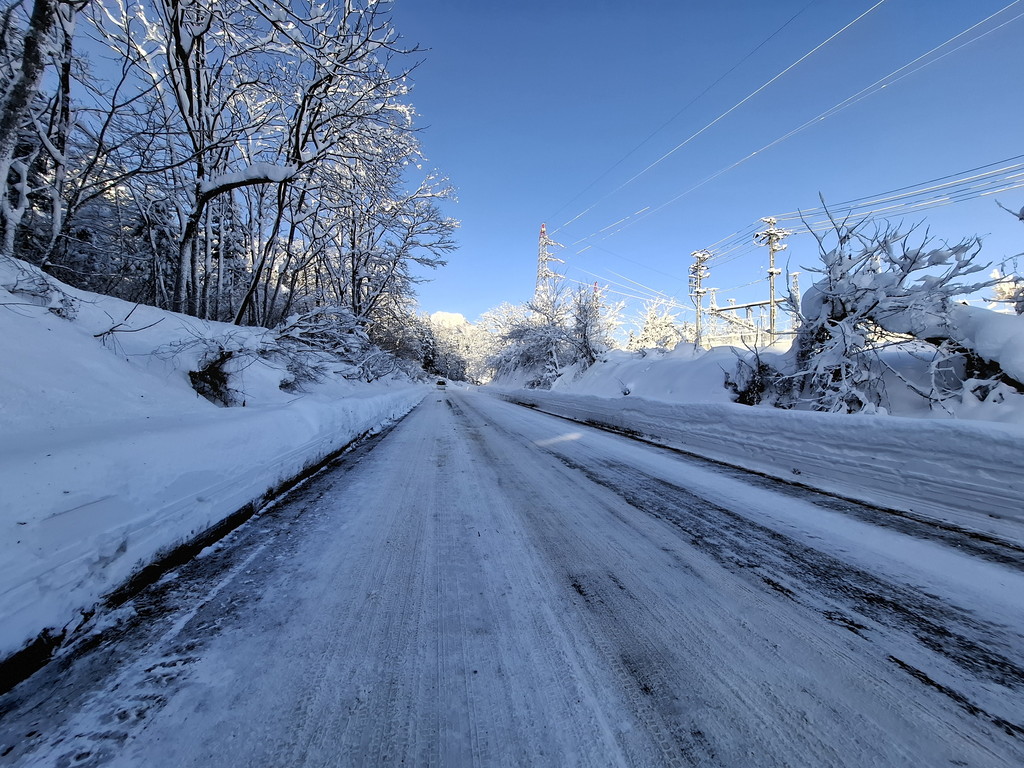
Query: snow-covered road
{"x": 487, "y": 585}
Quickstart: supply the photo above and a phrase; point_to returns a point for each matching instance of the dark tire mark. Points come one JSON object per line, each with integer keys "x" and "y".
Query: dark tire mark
{"x": 978, "y": 543}
{"x": 747, "y": 547}
{"x": 1011, "y": 729}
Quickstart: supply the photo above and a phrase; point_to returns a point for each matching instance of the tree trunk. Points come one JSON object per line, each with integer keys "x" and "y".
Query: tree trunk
{"x": 257, "y": 274}
{"x": 14, "y": 111}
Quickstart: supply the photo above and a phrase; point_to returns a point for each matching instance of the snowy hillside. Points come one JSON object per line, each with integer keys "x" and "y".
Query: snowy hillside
{"x": 108, "y": 457}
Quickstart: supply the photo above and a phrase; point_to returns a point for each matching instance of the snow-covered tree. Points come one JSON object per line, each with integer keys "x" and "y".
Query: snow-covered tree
{"x": 244, "y": 160}
{"x": 456, "y": 339}
{"x": 541, "y": 340}
{"x": 529, "y": 343}
{"x": 23, "y": 58}
{"x": 658, "y": 328}
{"x": 1007, "y": 292}
{"x": 876, "y": 287}
{"x": 592, "y": 323}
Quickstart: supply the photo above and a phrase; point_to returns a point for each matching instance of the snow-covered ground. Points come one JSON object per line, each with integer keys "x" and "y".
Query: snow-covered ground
{"x": 109, "y": 458}
{"x": 530, "y": 592}
{"x": 964, "y": 469}
{"x": 540, "y": 593}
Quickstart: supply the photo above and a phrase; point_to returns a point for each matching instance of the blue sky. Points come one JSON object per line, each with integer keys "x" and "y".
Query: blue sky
{"x": 541, "y": 111}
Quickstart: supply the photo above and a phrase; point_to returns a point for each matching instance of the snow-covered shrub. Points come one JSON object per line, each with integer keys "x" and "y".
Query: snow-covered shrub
{"x": 1007, "y": 292}
{"x": 307, "y": 348}
{"x": 308, "y": 343}
{"x": 212, "y": 378}
{"x": 755, "y": 381}
{"x": 878, "y": 289}
{"x": 658, "y": 328}
{"x": 35, "y": 287}
{"x": 331, "y": 340}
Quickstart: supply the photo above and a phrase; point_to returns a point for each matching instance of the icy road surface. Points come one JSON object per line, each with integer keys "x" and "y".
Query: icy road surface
{"x": 487, "y": 585}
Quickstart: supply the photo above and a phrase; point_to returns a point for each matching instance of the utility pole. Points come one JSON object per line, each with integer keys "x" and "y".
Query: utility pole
{"x": 544, "y": 292}
{"x": 698, "y": 274}
{"x": 772, "y": 237}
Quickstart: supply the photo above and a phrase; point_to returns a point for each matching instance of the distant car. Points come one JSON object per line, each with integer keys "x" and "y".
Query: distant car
{"x": 441, "y": 383}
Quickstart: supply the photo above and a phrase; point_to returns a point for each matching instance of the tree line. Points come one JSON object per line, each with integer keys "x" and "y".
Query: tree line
{"x": 238, "y": 160}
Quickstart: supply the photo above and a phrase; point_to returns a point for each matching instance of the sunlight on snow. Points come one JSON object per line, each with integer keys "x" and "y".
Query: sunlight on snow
{"x": 560, "y": 439}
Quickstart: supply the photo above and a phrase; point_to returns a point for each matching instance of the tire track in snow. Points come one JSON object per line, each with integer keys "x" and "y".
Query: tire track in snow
{"x": 573, "y": 700}
{"x": 633, "y": 660}
{"x": 497, "y": 606}
{"x": 753, "y": 554}
{"x": 583, "y": 705}
{"x": 856, "y": 598}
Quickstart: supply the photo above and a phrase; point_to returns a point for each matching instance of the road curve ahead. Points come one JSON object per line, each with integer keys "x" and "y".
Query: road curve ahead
{"x": 490, "y": 586}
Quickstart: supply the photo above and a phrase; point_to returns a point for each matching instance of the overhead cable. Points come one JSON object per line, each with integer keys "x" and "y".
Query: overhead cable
{"x": 859, "y": 96}
{"x": 672, "y": 119}
{"x": 725, "y": 114}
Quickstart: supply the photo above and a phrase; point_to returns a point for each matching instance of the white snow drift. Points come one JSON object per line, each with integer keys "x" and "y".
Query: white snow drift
{"x": 962, "y": 467}
{"x": 108, "y": 457}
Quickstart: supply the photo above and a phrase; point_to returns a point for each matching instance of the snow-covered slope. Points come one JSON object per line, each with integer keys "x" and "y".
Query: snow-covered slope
{"x": 109, "y": 458}
{"x": 966, "y": 471}
{"x": 967, "y": 474}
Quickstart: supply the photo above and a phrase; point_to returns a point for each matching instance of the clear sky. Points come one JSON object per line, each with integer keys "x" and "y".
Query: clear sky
{"x": 543, "y": 111}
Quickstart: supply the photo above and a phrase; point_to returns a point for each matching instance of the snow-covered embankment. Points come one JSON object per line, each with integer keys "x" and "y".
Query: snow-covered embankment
{"x": 89, "y": 512}
{"x": 108, "y": 457}
{"x": 963, "y": 473}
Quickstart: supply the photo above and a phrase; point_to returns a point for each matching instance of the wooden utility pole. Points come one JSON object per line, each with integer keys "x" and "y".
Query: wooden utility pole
{"x": 772, "y": 237}
{"x": 698, "y": 274}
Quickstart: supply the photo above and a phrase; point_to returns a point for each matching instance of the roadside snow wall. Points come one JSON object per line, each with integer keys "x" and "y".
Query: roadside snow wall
{"x": 86, "y": 511}
{"x": 962, "y": 473}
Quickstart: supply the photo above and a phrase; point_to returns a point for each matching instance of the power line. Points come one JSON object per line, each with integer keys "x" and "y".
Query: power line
{"x": 744, "y": 285}
{"x": 932, "y": 185}
{"x": 956, "y": 189}
{"x": 672, "y": 119}
{"x": 925, "y": 205}
{"x": 859, "y": 96}
{"x": 741, "y": 243}
{"x": 652, "y": 293}
{"x": 722, "y": 116}
{"x": 669, "y": 302}
{"x": 741, "y": 249}
{"x": 864, "y": 93}
{"x": 641, "y": 285}
{"x": 627, "y": 258}
{"x": 990, "y": 182}
{"x": 984, "y": 180}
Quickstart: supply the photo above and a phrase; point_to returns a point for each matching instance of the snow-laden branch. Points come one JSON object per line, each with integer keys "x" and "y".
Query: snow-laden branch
{"x": 256, "y": 173}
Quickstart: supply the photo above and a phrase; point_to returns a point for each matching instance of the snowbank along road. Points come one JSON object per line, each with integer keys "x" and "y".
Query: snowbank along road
{"x": 487, "y": 585}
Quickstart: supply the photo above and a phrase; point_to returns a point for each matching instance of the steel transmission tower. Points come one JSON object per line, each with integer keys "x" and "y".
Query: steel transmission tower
{"x": 772, "y": 237}
{"x": 547, "y": 278}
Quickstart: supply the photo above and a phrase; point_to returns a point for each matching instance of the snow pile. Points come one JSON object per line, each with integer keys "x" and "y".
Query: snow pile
{"x": 966, "y": 471}
{"x": 993, "y": 335}
{"x": 108, "y": 457}
{"x": 683, "y": 375}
